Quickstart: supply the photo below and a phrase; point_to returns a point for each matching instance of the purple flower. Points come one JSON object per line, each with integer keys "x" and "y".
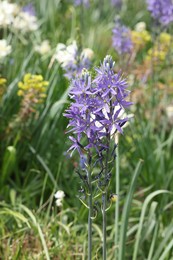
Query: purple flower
{"x": 29, "y": 9}
{"x": 116, "y": 3}
{"x": 121, "y": 40}
{"x": 161, "y": 10}
{"x": 97, "y": 110}
{"x": 86, "y": 3}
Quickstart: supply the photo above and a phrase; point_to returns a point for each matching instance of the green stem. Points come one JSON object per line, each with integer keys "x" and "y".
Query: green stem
{"x": 117, "y": 188}
{"x": 104, "y": 197}
{"x": 104, "y": 200}
{"x": 90, "y": 216}
{"x": 82, "y": 18}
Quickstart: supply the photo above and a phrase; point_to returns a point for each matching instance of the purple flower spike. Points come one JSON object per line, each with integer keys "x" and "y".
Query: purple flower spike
{"x": 86, "y": 3}
{"x": 161, "y": 10}
{"x": 116, "y": 3}
{"x": 97, "y": 110}
{"x": 121, "y": 40}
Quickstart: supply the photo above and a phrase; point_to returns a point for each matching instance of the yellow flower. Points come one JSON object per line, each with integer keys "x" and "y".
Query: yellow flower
{"x": 2, "y": 81}
{"x": 165, "y": 39}
{"x": 32, "y": 89}
{"x": 2, "y": 86}
{"x": 32, "y": 84}
{"x": 113, "y": 197}
{"x": 156, "y": 54}
{"x": 140, "y": 38}
{"x": 20, "y": 93}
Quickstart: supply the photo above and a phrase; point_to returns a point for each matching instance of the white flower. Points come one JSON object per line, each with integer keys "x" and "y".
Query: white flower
{"x": 59, "y": 194}
{"x": 5, "y": 49}
{"x": 140, "y": 27}
{"x": 25, "y": 22}
{"x": 43, "y": 48}
{"x": 87, "y": 53}
{"x": 8, "y": 12}
{"x": 58, "y": 202}
{"x": 66, "y": 54}
{"x": 169, "y": 112}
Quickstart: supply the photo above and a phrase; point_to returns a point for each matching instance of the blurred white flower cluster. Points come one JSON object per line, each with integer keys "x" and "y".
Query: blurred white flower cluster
{"x": 169, "y": 112}
{"x": 16, "y": 18}
{"x": 66, "y": 54}
{"x": 72, "y": 58}
{"x": 5, "y": 49}
{"x": 59, "y": 196}
{"x": 25, "y": 22}
{"x": 8, "y": 13}
{"x": 43, "y": 48}
{"x": 140, "y": 27}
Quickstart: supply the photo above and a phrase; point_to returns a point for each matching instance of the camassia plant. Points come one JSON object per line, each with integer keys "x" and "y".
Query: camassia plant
{"x": 96, "y": 114}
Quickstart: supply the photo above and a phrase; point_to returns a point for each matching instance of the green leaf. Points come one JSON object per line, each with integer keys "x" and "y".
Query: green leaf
{"x": 126, "y": 211}
{"x": 9, "y": 162}
{"x": 144, "y": 208}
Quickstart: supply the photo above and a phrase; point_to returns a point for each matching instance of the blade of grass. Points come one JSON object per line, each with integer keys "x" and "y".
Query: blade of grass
{"x": 46, "y": 168}
{"x": 144, "y": 208}
{"x": 37, "y": 226}
{"x": 126, "y": 211}
{"x": 153, "y": 243}
{"x": 166, "y": 251}
{"x": 161, "y": 246}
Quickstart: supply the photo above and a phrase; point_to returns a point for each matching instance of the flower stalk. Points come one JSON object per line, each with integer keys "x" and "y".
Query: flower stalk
{"x": 95, "y": 116}
{"x": 90, "y": 214}
{"x": 104, "y": 198}
{"x": 117, "y": 189}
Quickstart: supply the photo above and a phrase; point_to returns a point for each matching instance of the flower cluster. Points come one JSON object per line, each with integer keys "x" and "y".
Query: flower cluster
{"x": 97, "y": 112}
{"x": 32, "y": 89}
{"x": 72, "y": 59}
{"x": 2, "y": 86}
{"x": 116, "y": 3}
{"x": 165, "y": 39}
{"x": 25, "y": 22}
{"x": 29, "y": 9}
{"x": 86, "y": 3}
{"x": 161, "y": 10}
{"x": 160, "y": 49}
{"x": 5, "y": 49}
{"x": 121, "y": 39}
{"x": 140, "y": 36}
{"x": 17, "y": 18}
{"x": 43, "y": 48}
{"x": 59, "y": 196}
{"x": 8, "y": 13}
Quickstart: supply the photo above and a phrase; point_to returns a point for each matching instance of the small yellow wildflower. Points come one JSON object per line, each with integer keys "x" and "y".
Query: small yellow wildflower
{"x": 34, "y": 87}
{"x": 165, "y": 39}
{"x": 156, "y": 55}
{"x": 160, "y": 49}
{"x": 2, "y": 86}
{"x": 139, "y": 39}
{"x": 33, "y": 92}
